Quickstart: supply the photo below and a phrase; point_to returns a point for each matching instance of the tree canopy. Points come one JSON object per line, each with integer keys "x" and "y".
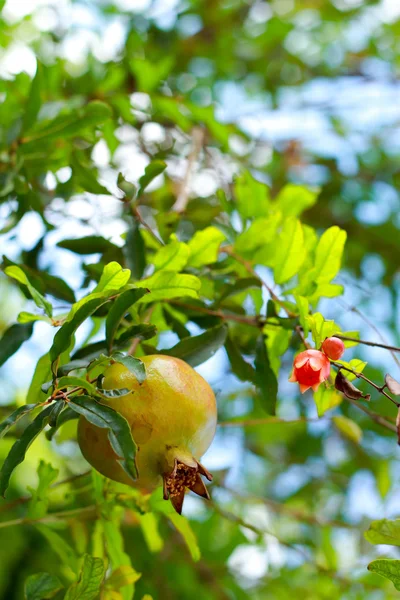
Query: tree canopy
{"x": 218, "y": 182}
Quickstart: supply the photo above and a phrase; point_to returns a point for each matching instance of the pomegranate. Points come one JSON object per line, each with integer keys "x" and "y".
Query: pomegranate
{"x": 173, "y": 417}
{"x": 333, "y": 347}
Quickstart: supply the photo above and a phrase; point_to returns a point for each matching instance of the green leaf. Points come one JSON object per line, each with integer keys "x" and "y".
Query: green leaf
{"x": 66, "y": 415}
{"x": 155, "y": 168}
{"x": 135, "y": 250}
{"x": 204, "y": 246}
{"x": 63, "y": 550}
{"x": 42, "y": 586}
{"x": 34, "y": 101}
{"x": 25, "y": 317}
{"x": 68, "y": 381}
{"x": 260, "y": 235}
{"x": 388, "y": 568}
{"x": 329, "y": 252}
{"x": 115, "y": 548}
{"x": 148, "y": 73}
{"x": 91, "y": 244}
{"x": 17, "y": 453}
{"x": 384, "y": 531}
{"x": 86, "y": 178}
{"x": 141, "y": 331}
{"x": 325, "y": 399}
{"x": 149, "y": 526}
{"x": 320, "y": 329}
{"x": 290, "y": 251}
{"x": 348, "y": 428}
{"x": 90, "y": 580}
{"x": 135, "y": 366}
{"x": 252, "y": 197}
{"x": 70, "y": 125}
{"x": 355, "y": 364}
{"x": 119, "y": 431}
{"x": 266, "y": 380}
{"x": 113, "y": 278}
{"x": 6, "y": 425}
{"x": 39, "y": 502}
{"x": 123, "y": 576}
{"x": 172, "y": 257}
{"x": 119, "y": 308}
{"x": 182, "y": 525}
{"x": 242, "y": 369}
{"x": 292, "y": 200}
{"x": 40, "y": 301}
{"x": 164, "y": 285}
{"x": 197, "y": 349}
{"x": 12, "y": 340}
{"x": 41, "y": 375}
{"x": 79, "y": 313}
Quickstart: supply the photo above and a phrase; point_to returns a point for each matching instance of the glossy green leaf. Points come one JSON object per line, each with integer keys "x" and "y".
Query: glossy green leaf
{"x": 290, "y": 251}
{"x": 348, "y": 428}
{"x": 384, "y": 531}
{"x": 292, "y": 200}
{"x": 135, "y": 365}
{"x": 87, "y": 179}
{"x": 90, "y": 580}
{"x": 388, "y": 568}
{"x": 20, "y": 447}
{"x": 320, "y": 328}
{"x": 34, "y": 99}
{"x": 12, "y": 340}
{"x": 266, "y": 381}
{"x": 135, "y": 250}
{"x": 240, "y": 367}
{"x": 164, "y": 285}
{"x": 119, "y": 431}
{"x": 155, "y": 168}
{"x": 66, "y": 415}
{"x": 113, "y": 278}
{"x": 304, "y": 309}
{"x": 204, "y": 246}
{"x": 79, "y": 313}
{"x": 75, "y": 382}
{"x": 199, "y": 348}
{"x": 92, "y": 244}
{"x": 40, "y": 301}
{"x": 60, "y": 547}
{"x": 252, "y": 196}
{"x": 119, "y": 308}
{"x": 141, "y": 331}
{"x": 39, "y": 502}
{"x": 12, "y": 419}
{"x": 42, "y": 586}
{"x": 172, "y": 257}
{"x": 326, "y": 398}
{"x": 329, "y": 253}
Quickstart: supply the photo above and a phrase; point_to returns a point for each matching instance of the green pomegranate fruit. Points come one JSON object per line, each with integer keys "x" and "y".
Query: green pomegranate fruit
{"x": 173, "y": 417}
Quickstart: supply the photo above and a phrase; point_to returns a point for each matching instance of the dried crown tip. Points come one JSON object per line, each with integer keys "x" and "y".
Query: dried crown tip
{"x": 182, "y": 477}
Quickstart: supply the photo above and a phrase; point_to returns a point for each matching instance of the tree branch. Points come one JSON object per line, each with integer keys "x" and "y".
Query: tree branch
{"x": 198, "y": 136}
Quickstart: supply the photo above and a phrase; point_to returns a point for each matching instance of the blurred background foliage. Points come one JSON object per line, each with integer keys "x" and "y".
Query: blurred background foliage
{"x": 295, "y": 91}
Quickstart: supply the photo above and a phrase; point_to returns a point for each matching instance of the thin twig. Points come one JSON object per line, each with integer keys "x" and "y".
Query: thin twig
{"x": 367, "y": 343}
{"x": 52, "y": 517}
{"x": 198, "y": 136}
{"x": 256, "y": 321}
{"x": 374, "y": 416}
{"x": 379, "y": 388}
{"x": 136, "y": 214}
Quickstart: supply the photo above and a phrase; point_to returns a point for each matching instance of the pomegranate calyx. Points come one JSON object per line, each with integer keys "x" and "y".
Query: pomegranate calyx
{"x": 181, "y": 477}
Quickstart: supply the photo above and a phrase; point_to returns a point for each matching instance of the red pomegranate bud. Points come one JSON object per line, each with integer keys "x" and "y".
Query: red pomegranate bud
{"x": 310, "y": 368}
{"x": 333, "y": 348}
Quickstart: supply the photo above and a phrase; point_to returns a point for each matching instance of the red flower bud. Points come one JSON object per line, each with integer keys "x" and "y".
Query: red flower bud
{"x": 333, "y": 347}
{"x": 310, "y": 368}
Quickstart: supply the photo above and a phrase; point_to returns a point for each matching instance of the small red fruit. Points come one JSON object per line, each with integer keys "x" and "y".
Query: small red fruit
{"x": 310, "y": 368}
{"x": 333, "y": 347}
{"x": 173, "y": 417}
